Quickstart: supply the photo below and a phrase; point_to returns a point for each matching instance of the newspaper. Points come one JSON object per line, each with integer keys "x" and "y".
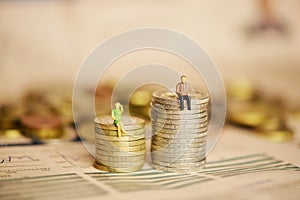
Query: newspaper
{"x": 242, "y": 166}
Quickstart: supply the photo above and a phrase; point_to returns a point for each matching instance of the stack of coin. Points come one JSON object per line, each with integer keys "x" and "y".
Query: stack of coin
{"x": 178, "y": 136}
{"x": 120, "y": 154}
{"x": 41, "y": 127}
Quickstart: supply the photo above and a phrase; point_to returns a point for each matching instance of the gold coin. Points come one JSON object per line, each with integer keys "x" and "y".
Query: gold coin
{"x": 295, "y": 113}
{"x": 41, "y": 134}
{"x": 251, "y": 114}
{"x": 119, "y": 139}
{"x": 278, "y": 135}
{"x": 121, "y": 164}
{"x": 111, "y": 169}
{"x": 36, "y": 121}
{"x": 140, "y": 98}
{"x": 271, "y": 123}
{"x": 241, "y": 89}
{"x": 41, "y": 127}
{"x": 129, "y": 123}
{"x": 115, "y": 133}
{"x": 11, "y": 133}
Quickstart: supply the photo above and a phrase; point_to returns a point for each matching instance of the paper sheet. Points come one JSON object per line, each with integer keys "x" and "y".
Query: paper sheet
{"x": 256, "y": 169}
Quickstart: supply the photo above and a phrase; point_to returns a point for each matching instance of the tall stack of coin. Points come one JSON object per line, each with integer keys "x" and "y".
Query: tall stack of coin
{"x": 120, "y": 154}
{"x": 179, "y": 136}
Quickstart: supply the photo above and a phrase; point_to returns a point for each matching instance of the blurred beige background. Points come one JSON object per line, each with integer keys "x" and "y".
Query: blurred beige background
{"x": 43, "y": 43}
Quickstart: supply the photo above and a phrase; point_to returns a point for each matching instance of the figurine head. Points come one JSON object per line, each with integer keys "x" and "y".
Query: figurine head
{"x": 183, "y": 78}
{"x": 117, "y": 105}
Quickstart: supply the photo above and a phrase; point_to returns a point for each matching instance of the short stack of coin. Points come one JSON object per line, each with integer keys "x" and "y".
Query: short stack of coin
{"x": 178, "y": 136}
{"x": 120, "y": 154}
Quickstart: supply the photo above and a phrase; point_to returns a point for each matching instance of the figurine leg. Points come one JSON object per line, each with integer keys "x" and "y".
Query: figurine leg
{"x": 121, "y": 126}
{"x": 188, "y": 100}
{"x": 119, "y": 130}
{"x": 181, "y": 102}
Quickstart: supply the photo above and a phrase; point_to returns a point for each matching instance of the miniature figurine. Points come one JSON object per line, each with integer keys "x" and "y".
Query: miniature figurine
{"x": 183, "y": 90}
{"x": 116, "y": 114}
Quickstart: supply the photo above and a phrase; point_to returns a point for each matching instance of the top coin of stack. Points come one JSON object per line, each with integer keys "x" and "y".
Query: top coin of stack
{"x": 120, "y": 154}
{"x": 179, "y": 136}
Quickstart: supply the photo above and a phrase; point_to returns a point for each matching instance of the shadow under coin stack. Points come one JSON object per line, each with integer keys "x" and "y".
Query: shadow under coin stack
{"x": 178, "y": 137}
{"x": 120, "y": 154}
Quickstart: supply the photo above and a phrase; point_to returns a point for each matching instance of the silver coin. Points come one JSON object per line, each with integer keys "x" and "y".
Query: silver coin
{"x": 174, "y": 157}
{"x": 185, "y": 152}
{"x": 178, "y": 140}
{"x": 178, "y": 159}
{"x": 179, "y": 121}
{"x": 177, "y": 106}
{"x": 116, "y": 148}
{"x": 180, "y": 126}
{"x": 156, "y": 130}
{"x": 182, "y": 136}
{"x": 162, "y": 110}
{"x": 176, "y": 151}
{"x": 121, "y": 153}
{"x": 160, "y": 130}
{"x": 168, "y": 96}
{"x": 194, "y": 102}
{"x": 176, "y": 145}
{"x": 119, "y": 158}
{"x": 186, "y": 165}
{"x": 168, "y": 142}
{"x": 177, "y": 170}
{"x": 178, "y": 116}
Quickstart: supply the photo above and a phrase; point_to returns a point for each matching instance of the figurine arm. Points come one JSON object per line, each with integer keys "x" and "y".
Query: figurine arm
{"x": 113, "y": 115}
{"x": 121, "y": 108}
{"x": 178, "y": 89}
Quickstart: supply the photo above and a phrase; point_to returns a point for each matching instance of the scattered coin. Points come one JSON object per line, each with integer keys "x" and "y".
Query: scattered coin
{"x": 41, "y": 127}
